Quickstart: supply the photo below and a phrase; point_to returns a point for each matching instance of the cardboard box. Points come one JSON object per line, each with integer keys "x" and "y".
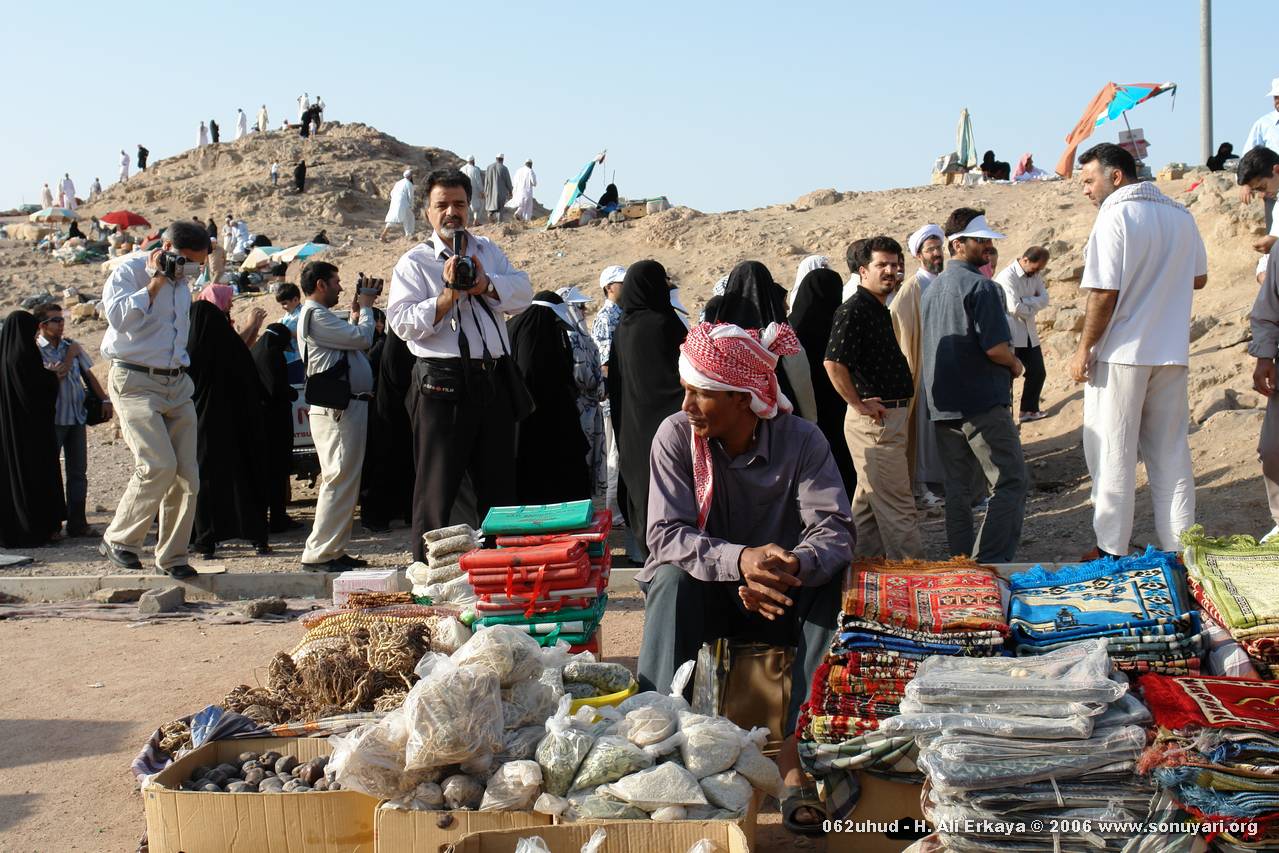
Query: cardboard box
{"x": 882, "y": 804}
{"x": 630, "y": 836}
{"x": 311, "y": 822}
{"x": 400, "y": 831}
{"x": 367, "y": 580}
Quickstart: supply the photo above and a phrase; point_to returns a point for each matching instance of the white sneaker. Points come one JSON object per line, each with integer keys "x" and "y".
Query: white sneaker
{"x": 931, "y": 500}
{"x": 1274, "y": 531}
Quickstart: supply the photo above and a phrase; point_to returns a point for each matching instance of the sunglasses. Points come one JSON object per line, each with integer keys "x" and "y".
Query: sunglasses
{"x": 52, "y": 320}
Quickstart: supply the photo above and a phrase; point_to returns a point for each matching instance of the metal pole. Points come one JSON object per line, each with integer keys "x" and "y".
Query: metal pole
{"x": 1205, "y": 79}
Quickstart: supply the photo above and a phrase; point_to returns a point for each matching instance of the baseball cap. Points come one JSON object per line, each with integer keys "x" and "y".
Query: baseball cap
{"x": 612, "y": 274}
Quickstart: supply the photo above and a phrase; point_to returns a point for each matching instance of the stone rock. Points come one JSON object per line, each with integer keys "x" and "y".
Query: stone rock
{"x": 1041, "y": 236}
{"x": 84, "y": 311}
{"x": 1067, "y": 271}
{"x": 1059, "y": 248}
{"x": 117, "y": 596}
{"x": 1200, "y": 326}
{"x": 1247, "y": 399}
{"x": 1211, "y": 404}
{"x": 259, "y": 607}
{"x": 1069, "y": 320}
{"x": 348, "y": 202}
{"x": 164, "y": 600}
{"x": 819, "y": 198}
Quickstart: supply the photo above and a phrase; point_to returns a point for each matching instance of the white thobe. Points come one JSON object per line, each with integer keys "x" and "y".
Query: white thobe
{"x": 401, "y": 209}
{"x": 68, "y": 194}
{"x": 46, "y": 197}
{"x": 241, "y": 124}
{"x": 262, "y": 120}
{"x": 203, "y": 139}
{"x": 304, "y": 104}
{"x": 525, "y": 180}
{"x": 124, "y": 166}
{"x": 476, "y": 177}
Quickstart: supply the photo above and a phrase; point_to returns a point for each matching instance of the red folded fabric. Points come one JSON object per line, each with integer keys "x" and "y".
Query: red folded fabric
{"x": 1216, "y": 703}
{"x": 537, "y": 555}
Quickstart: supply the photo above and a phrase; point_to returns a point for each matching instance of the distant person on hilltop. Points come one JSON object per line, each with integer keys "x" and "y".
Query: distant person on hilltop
{"x": 1264, "y": 133}
{"x": 202, "y": 137}
{"x": 1217, "y": 162}
{"x": 46, "y": 195}
{"x": 609, "y": 201}
{"x": 215, "y": 132}
{"x": 68, "y": 192}
{"x": 318, "y": 107}
{"x": 1027, "y": 170}
{"x": 304, "y": 104}
{"x": 95, "y": 189}
{"x": 497, "y": 189}
{"x": 525, "y": 181}
{"x": 262, "y": 120}
{"x": 143, "y": 153}
{"x": 476, "y": 177}
{"x": 241, "y": 123}
{"x": 994, "y": 170}
{"x": 275, "y": 174}
{"x": 124, "y": 166}
{"x": 299, "y": 176}
{"x": 401, "y": 210}
{"x": 322, "y": 238}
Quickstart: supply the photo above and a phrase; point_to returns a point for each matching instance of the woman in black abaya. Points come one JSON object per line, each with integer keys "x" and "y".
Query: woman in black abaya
{"x": 811, "y": 318}
{"x": 386, "y": 489}
{"x": 230, "y": 444}
{"x": 32, "y": 503}
{"x": 270, "y": 358}
{"x": 550, "y": 450}
{"x": 643, "y": 383}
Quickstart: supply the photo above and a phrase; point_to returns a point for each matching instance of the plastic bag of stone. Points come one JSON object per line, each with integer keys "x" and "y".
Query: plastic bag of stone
{"x": 513, "y": 788}
{"x": 462, "y": 791}
{"x": 444, "y": 572}
{"x": 664, "y": 748}
{"x": 370, "y": 759}
{"x": 711, "y": 813}
{"x": 449, "y": 532}
{"x": 528, "y": 702}
{"x": 674, "y": 701}
{"x": 669, "y": 813}
{"x": 595, "y": 807}
{"x": 728, "y": 790}
{"x": 611, "y": 757}
{"x": 606, "y": 678}
{"x": 649, "y": 725}
{"x": 551, "y": 804}
{"x": 425, "y": 797}
{"x": 758, "y": 769}
{"x": 454, "y": 713}
{"x": 507, "y": 652}
{"x": 458, "y": 544}
{"x": 711, "y": 744}
{"x": 561, "y": 752}
{"x": 521, "y": 744}
{"x": 664, "y": 785}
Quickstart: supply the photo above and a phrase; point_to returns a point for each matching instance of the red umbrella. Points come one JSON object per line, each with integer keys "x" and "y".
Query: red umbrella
{"x": 123, "y": 219}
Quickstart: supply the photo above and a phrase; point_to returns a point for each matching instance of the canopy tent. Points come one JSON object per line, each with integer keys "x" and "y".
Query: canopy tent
{"x": 1110, "y": 103}
{"x": 572, "y": 190}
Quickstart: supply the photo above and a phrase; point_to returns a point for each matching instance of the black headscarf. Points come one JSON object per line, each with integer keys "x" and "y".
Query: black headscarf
{"x": 551, "y": 449}
{"x": 269, "y": 355}
{"x": 820, "y": 293}
{"x": 752, "y": 300}
{"x": 32, "y": 503}
{"x": 230, "y": 442}
{"x": 1224, "y": 152}
{"x": 643, "y": 381}
{"x": 609, "y": 196}
{"x": 74, "y": 231}
{"x": 386, "y": 490}
{"x": 299, "y": 175}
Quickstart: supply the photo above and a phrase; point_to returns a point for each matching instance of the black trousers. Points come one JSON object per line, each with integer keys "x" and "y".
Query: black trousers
{"x": 1033, "y": 380}
{"x": 472, "y": 435}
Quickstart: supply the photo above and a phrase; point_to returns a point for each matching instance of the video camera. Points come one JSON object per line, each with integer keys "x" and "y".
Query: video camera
{"x": 172, "y": 266}
{"x": 464, "y": 269}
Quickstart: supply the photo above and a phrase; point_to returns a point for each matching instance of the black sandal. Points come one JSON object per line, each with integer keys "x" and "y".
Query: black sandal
{"x": 796, "y": 797}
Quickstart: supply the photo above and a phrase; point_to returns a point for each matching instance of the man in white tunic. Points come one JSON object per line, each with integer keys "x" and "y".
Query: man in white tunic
{"x": 46, "y": 196}
{"x": 1142, "y": 263}
{"x": 262, "y": 119}
{"x": 241, "y": 123}
{"x": 401, "y": 210}
{"x": 525, "y": 181}
{"x": 202, "y": 139}
{"x": 124, "y": 166}
{"x": 68, "y": 191}
{"x": 476, "y": 177}
{"x": 304, "y": 104}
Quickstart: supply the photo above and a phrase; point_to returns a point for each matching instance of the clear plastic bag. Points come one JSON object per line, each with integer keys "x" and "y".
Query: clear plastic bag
{"x": 417, "y": 573}
{"x": 1079, "y": 672}
{"x": 370, "y": 759}
{"x": 709, "y": 812}
{"x": 462, "y": 791}
{"x": 988, "y": 724}
{"x": 561, "y": 752}
{"x": 1028, "y": 709}
{"x": 531, "y": 845}
{"x": 711, "y": 744}
{"x": 606, "y": 678}
{"x": 959, "y": 747}
{"x": 551, "y": 804}
{"x": 507, "y": 652}
{"x": 664, "y": 785}
{"x": 521, "y": 744}
{"x": 665, "y": 747}
{"x": 427, "y": 796}
{"x": 513, "y": 788}
{"x": 459, "y": 544}
{"x": 454, "y": 713}
{"x": 760, "y": 770}
{"x": 444, "y": 572}
{"x": 705, "y": 846}
{"x": 443, "y": 533}
{"x": 448, "y": 635}
{"x": 673, "y": 702}
{"x": 595, "y": 807}
{"x": 527, "y": 702}
{"x": 595, "y": 842}
{"x": 728, "y": 790}
{"x": 646, "y": 726}
{"x": 611, "y": 757}
{"x": 666, "y": 814}
{"x": 457, "y": 591}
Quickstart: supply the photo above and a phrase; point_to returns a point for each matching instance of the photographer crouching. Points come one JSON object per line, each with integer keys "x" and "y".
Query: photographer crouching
{"x": 447, "y": 299}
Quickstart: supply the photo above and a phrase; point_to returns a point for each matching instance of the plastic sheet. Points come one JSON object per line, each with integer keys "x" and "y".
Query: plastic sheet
{"x": 1076, "y": 673}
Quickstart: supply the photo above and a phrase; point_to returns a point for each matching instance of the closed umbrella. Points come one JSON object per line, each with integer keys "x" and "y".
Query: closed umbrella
{"x": 124, "y": 219}
{"x": 965, "y": 147}
{"x": 53, "y": 214}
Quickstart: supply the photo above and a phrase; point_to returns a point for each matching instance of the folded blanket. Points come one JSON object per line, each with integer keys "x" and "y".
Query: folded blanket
{"x": 954, "y": 595}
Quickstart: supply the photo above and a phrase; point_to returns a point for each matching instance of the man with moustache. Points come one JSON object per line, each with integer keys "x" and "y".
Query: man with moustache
{"x": 465, "y": 396}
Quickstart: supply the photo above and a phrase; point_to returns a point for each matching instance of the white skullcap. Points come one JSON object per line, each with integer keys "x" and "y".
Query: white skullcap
{"x": 408, "y": 172}
{"x": 979, "y": 229}
{"x": 612, "y": 274}
{"x": 916, "y": 241}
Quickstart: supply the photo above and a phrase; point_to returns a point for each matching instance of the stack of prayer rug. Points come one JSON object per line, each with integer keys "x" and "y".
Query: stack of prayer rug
{"x": 1050, "y": 741}
{"x": 1137, "y": 604}
{"x": 1217, "y": 753}
{"x": 1236, "y": 582}
{"x": 894, "y": 615}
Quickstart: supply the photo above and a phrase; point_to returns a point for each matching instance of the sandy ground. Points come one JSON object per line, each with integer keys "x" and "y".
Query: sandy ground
{"x": 68, "y": 731}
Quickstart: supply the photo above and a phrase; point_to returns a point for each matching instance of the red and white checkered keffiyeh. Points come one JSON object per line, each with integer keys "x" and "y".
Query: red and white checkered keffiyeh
{"x": 724, "y": 357}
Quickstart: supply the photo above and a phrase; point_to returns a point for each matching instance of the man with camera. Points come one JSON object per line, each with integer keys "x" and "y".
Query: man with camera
{"x": 148, "y": 309}
{"x": 339, "y": 387}
{"x": 447, "y": 299}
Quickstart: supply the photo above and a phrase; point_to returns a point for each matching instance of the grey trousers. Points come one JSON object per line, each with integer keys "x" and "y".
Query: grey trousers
{"x": 681, "y": 613}
{"x": 984, "y": 446}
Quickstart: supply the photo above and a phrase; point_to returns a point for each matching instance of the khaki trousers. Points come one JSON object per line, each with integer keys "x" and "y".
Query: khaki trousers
{"x": 884, "y": 502}
{"x": 157, "y": 420}
{"x": 1268, "y": 450}
{"x": 339, "y": 438}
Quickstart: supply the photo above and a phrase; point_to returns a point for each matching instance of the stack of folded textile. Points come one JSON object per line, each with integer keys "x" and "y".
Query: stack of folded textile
{"x": 1137, "y": 604}
{"x": 1236, "y": 581}
{"x": 440, "y": 579}
{"x": 1217, "y": 753}
{"x": 549, "y": 574}
{"x": 894, "y": 615}
{"x": 1053, "y": 738}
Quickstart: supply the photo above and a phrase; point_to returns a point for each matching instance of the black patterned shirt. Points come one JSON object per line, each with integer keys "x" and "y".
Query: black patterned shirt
{"x": 862, "y": 339}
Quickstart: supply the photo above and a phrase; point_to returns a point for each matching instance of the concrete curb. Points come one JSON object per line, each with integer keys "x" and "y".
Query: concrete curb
{"x": 219, "y": 587}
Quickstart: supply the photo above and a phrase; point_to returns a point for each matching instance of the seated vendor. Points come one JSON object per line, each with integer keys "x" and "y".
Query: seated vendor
{"x": 749, "y": 528}
{"x": 609, "y": 201}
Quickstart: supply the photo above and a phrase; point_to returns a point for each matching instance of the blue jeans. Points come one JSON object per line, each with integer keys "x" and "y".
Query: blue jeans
{"x": 73, "y": 442}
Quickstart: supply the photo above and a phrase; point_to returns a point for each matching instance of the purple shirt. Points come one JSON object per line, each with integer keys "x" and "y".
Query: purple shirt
{"x": 785, "y": 490}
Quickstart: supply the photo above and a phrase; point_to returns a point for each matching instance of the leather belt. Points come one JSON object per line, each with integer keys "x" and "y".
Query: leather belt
{"x": 154, "y": 371}
{"x": 482, "y": 364}
{"x": 367, "y": 395}
{"x": 895, "y": 404}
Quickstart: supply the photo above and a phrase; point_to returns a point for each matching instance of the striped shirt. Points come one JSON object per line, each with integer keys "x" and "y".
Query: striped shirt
{"x": 70, "y": 407}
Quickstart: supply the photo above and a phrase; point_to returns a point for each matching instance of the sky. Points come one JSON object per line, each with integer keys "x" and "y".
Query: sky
{"x": 717, "y": 106}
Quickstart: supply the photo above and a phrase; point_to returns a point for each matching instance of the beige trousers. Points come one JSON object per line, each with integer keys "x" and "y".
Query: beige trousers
{"x": 1268, "y": 450}
{"x": 339, "y": 438}
{"x": 1132, "y": 412}
{"x": 157, "y": 420}
{"x": 884, "y": 502}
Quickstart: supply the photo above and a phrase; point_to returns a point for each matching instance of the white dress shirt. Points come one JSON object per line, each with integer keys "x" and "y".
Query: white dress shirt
{"x": 152, "y": 334}
{"x": 1025, "y": 296}
{"x": 1265, "y": 131}
{"x": 417, "y": 282}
